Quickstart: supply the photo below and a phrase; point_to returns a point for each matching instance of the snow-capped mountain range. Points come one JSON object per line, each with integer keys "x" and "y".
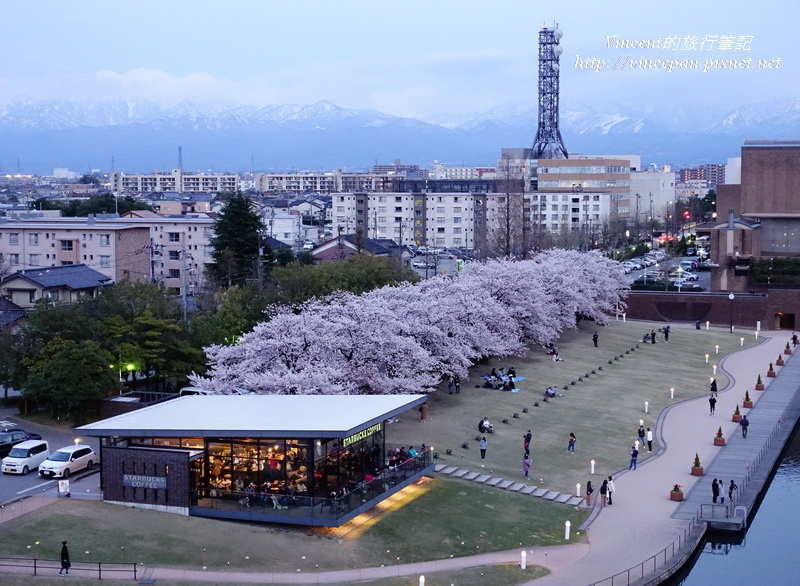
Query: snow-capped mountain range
{"x": 140, "y": 135}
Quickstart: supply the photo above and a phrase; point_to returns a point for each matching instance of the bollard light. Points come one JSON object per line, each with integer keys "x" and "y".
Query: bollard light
{"x": 671, "y": 393}
{"x": 566, "y": 530}
{"x": 741, "y": 341}
{"x": 577, "y": 489}
{"x": 641, "y": 422}
{"x": 592, "y": 467}
{"x": 523, "y": 559}
{"x": 716, "y": 349}
{"x": 422, "y": 581}
{"x": 715, "y": 369}
{"x": 706, "y": 358}
{"x": 624, "y": 315}
{"x": 646, "y": 406}
{"x": 708, "y": 323}
{"x": 756, "y": 334}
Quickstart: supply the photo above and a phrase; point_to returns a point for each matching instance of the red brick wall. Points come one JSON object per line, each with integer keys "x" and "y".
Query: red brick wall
{"x": 149, "y": 462}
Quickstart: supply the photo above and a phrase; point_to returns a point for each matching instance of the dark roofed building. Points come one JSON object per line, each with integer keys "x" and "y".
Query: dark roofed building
{"x": 64, "y": 284}
{"x": 10, "y": 313}
{"x": 346, "y": 246}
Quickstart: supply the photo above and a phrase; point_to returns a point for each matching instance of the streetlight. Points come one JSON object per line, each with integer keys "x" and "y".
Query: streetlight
{"x": 731, "y": 297}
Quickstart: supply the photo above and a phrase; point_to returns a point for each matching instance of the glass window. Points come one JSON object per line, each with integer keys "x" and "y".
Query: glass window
{"x": 174, "y": 236}
{"x": 33, "y": 238}
{"x": 105, "y": 260}
{"x": 66, "y": 245}
{"x": 105, "y": 240}
{"x": 13, "y": 238}
{"x": 34, "y": 260}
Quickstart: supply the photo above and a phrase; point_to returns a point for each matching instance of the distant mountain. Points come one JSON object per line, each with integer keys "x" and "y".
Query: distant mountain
{"x": 224, "y": 136}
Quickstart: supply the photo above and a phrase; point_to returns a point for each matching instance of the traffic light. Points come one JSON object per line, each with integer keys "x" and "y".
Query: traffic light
{"x": 687, "y": 215}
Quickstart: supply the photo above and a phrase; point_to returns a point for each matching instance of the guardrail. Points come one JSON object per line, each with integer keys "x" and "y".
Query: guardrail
{"x": 94, "y": 570}
{"x": 651, "y": 564}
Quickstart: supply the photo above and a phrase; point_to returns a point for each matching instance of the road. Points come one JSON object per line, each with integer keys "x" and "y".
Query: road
{"x": 13, "y": 486}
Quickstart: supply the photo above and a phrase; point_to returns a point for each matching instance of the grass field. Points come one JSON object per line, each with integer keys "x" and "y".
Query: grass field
{"x": 441, "y": 517}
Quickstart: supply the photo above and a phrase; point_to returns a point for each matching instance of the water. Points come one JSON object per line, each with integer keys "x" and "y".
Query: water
{"x": 769, "y": 553}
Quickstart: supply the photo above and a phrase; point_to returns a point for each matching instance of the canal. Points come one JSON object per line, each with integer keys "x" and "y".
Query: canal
{"x": 769, "y": 552}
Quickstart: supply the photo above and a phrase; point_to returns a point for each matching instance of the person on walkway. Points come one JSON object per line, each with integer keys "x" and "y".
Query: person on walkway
{"x": 713, "y": 388}
{"x": 794, "y": 339}
{"x": 589, "y": 491}
{"x": 65, "y": 565}
{"x": 458, "y": 385}
{"x": 731, "y": 487}
{"x": 611, "y": 489}
{"x": 712, "y": 403}
{"x": 634, "y": 456}
{"x": 423, "y": 412}
{"x": 526, "y": 466}
{"x": 571, "y": 443}
{"x": 666, "y": 334}
{"x": 450, "y": 386}
{"x": 484, "y": 445}
{"x": 714, "y": 491}
{"x": 640, "y": 434}
{"x": 595, "y": 337}
{"x": 653, "y": 336}
{"x": 745, "y": 423}
{"x": 649, "y": 440}
{"x": 604, "y": 493}
{"x": 526, "y": 441}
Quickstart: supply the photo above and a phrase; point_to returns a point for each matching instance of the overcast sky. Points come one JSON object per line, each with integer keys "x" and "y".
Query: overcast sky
{"x": 412, "y": 58}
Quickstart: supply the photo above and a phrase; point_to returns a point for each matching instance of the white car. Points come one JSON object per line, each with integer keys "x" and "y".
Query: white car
{"x": 25, "y": 456}
{"x": 68, "y": 460}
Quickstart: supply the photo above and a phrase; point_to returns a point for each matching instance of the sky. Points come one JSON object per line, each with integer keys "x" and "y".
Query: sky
{"x": 415, "y": 58}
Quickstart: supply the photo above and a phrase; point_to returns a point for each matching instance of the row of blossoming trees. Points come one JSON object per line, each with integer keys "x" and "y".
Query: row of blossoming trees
{"x": 404, "y": 339}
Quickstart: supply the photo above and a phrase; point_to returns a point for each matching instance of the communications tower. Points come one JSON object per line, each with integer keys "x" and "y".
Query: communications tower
{"x": 548, "y": 143}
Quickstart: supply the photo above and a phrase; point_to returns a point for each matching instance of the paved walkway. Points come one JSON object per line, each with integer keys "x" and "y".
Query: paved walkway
{"x": 642, "y": 521}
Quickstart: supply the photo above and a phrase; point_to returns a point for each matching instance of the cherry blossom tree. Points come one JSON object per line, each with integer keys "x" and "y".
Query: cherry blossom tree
{"x": 405, "y": 338}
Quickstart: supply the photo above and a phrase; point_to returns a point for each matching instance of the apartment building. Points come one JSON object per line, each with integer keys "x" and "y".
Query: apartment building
{"x": 173, "y": 251}
{"x": 114, "y": 249}
{"x": 176, "y": 180}
{"x": 330, "y": 182}
{"x": 422, "y": 219}
{"x": 442, "y": 171}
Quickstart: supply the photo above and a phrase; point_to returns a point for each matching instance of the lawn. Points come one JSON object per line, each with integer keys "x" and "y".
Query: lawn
{"x": 440, "y": 517}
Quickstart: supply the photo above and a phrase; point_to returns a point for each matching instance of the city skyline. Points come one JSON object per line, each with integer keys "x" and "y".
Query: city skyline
{"x": 430, "y": 61}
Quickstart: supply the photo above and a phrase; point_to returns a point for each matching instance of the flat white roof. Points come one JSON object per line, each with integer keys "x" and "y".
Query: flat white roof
{"x": 270, "y": 416}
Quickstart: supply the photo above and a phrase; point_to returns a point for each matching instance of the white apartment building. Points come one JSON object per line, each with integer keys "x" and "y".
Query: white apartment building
{"x": 442, "y": 171}
{"x": 177, "y": 181}
{"x": 330, "y": 182}
{"x": 422, "y": 219}
{"x": 655, "y": 190}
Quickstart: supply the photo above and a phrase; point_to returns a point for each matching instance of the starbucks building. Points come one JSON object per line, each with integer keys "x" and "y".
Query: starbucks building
{"x": 308, "y": 459}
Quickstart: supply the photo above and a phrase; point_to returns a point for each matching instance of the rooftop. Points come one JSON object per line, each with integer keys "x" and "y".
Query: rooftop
{"x": 772, "y": 143}
{"x": 270, "y": 416}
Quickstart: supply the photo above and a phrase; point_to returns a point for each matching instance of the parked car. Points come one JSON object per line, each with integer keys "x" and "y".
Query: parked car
{"x": 26, "y": 456}
{"x": 11, "y": 437}
{"x": 690, "y": 276}
{"x": 647, "y": 280}
{"x": 421, "y": 264}
{"x": 68, "y": 460}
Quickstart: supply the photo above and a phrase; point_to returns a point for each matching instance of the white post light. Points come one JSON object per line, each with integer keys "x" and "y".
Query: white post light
{"x": 577, "y": 489}
{"x": 422, "y": 581}
{"x": 671, "y": 393}
{"x": 708, "y": 323}
{"x": 566, "y": 530}
{"x": 624, "y": 315}
{"x": 641, "y": 422}
{"x": 715, "y": 369}
{"x": 592, "y": 467}
{"x": 523, "y": 559}
{"x": 646, "y": 406}
{"x": 756, "y": 334}
{"x": 741, "y": 341}
{"x": 706, "y": 358}
{"x": 716, "y": 349}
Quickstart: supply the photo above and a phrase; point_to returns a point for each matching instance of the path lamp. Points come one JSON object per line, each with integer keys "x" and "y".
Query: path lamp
{"x": 731, "y": 297}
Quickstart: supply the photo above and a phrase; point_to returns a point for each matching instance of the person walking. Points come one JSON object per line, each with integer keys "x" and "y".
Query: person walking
{"x": 714, "y": 491}
{"x": 713, "y": 388}
{"x": 484, "y": 445}
{"x": 731, "y": 487}
{"x": 526, "y": 441}
{"x": 745, "y": 423}
{"x": 604, "y": 493}
{"x": 611, "y": 489}
{"x": 649, "y": 440}
{"x": 634, "y": 457}
{"x": 571, "y": 443}
{"x": 595, "y": 337}
{"x": 526, "y": 466}
{"x": 589, "y": 491}
{"x": 712, "y": 403}
{"x": 458, "y": 385}
{"x": 666, "y": 334}
{"x": 640, "y": 434}
{"x": 423, "y": 412}
{"x": 65, "y": 565}
{"x": 652, "y": 336}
